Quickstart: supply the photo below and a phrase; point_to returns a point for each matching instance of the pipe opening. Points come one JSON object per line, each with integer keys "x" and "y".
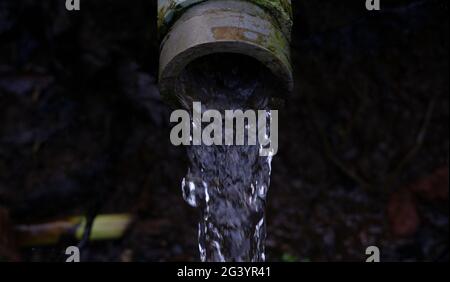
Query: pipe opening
{"x": 224, "y": 81}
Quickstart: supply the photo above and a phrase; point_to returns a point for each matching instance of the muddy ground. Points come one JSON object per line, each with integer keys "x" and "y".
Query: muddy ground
{"x": 364, "y": 138}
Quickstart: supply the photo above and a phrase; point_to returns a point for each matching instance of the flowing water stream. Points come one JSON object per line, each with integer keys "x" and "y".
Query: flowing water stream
{"x": 228, "y": 183}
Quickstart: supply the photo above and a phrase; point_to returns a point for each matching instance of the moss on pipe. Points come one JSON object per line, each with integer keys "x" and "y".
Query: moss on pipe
{"x": 170, "y": 10}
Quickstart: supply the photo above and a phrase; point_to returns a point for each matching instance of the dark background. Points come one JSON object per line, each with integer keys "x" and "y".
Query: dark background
{"x": 364, "y": 138}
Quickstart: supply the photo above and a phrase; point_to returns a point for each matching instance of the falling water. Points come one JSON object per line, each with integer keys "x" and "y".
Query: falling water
{"x": 228, "y": 184}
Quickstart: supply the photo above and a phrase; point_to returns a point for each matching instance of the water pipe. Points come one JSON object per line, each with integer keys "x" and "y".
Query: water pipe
{"x": 190, "y": 29}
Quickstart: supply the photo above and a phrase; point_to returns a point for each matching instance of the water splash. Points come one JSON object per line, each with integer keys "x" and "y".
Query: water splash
{"x": 228, "y": 184}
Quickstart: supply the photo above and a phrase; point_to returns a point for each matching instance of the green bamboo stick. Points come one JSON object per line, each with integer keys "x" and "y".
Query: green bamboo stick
{"x": 105, "y": 227}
